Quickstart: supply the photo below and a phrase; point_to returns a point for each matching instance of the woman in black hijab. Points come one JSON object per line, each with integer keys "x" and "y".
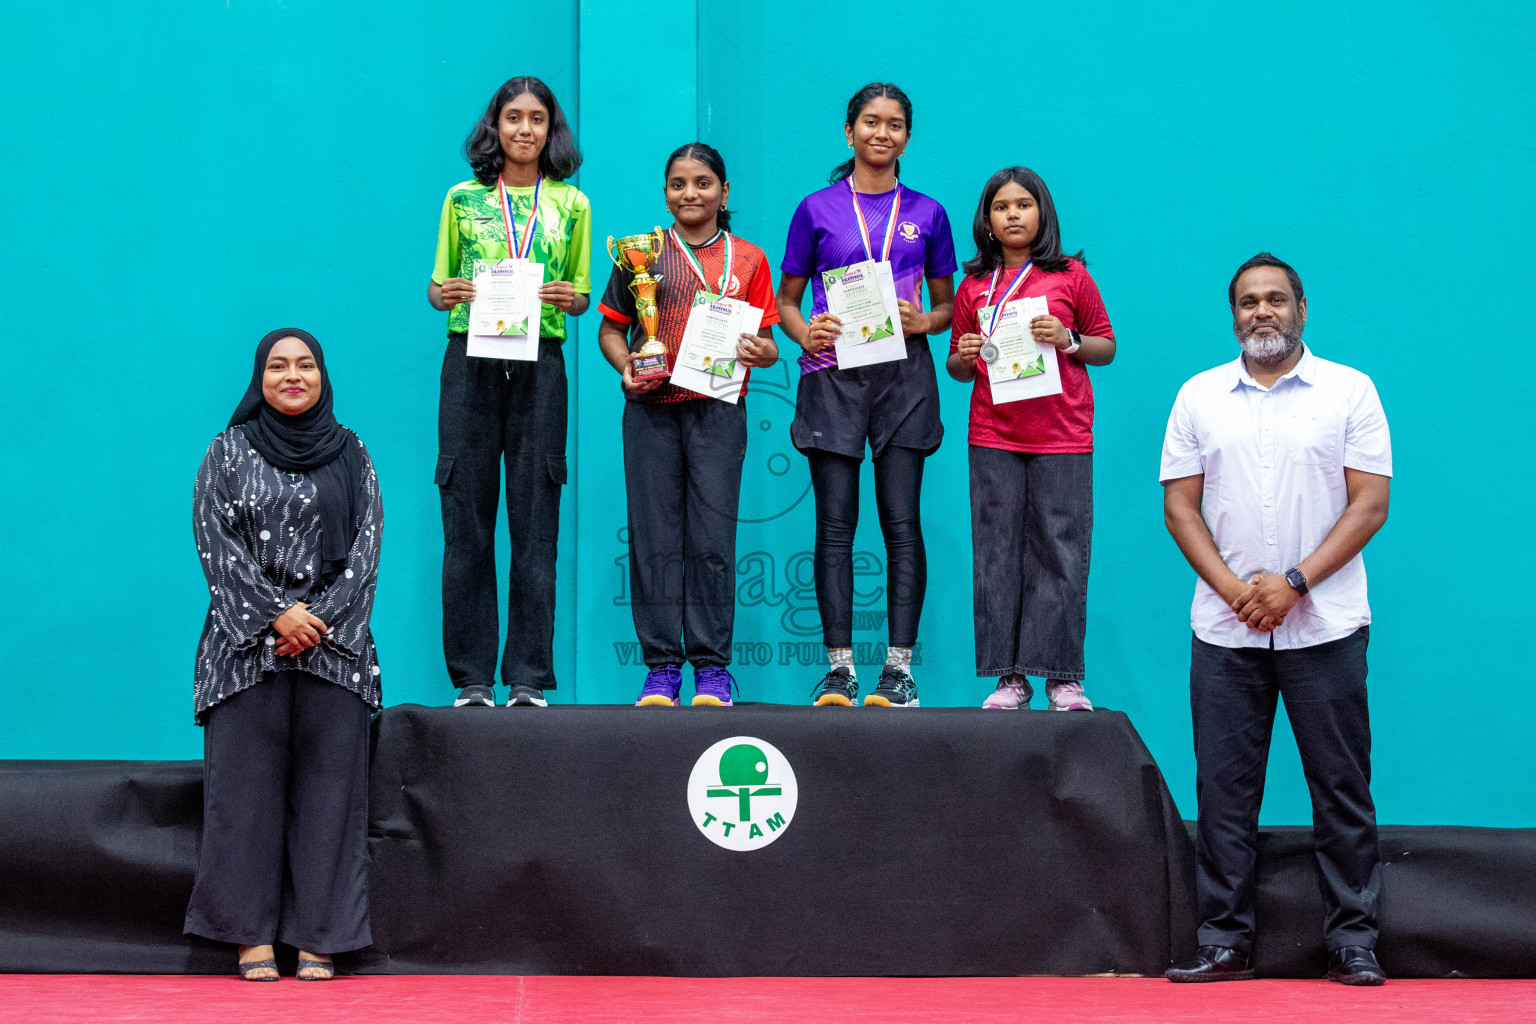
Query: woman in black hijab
{"x": 288, "y": 522}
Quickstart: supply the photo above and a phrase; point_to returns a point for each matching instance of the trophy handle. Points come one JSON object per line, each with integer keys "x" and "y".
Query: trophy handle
{"x": 616, "y": 261}
{"x": 660, "y": 241}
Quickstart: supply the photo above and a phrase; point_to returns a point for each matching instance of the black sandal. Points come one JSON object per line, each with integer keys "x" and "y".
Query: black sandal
{"x": 329, "y": 966}
{"x": 247, "y": 966}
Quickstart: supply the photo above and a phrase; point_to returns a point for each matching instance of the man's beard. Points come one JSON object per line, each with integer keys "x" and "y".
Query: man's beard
{"x": 1270, "y": 349}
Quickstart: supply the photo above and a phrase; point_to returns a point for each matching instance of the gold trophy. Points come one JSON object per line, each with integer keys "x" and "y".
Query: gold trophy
{"x": 637, "y": 253}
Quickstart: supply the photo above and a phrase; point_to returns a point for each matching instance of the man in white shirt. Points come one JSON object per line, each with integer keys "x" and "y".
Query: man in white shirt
{"x": 1276, "y": 471}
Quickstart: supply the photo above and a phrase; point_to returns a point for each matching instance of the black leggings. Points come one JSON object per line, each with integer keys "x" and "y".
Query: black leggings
{"x": 898, "y": 483}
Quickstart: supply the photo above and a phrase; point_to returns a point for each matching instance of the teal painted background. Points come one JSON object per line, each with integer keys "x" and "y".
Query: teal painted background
{"x": 180, "y": 179}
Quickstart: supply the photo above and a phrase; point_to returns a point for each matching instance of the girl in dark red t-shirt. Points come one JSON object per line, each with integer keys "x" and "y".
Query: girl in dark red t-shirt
{"x": 683, "y": 450}
{"x": 1031, "y": 444}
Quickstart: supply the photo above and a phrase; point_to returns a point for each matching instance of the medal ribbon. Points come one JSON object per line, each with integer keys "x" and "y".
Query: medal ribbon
{"x": 519, "y": 247}
{"x": 1013, "y": 286}
{"x": 698, "y": 268}
{"x": 890, "y": 224}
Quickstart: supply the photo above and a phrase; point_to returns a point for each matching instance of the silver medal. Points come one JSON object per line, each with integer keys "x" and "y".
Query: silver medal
{"x": 989, "y": 352}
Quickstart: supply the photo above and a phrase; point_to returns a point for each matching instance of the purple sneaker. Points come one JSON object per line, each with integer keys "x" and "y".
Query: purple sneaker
{"x": 661, "y": 686}
{"x": 1067, "y": 696}
{"x": 712, "y": 686}
{"x": 1013, "y": 692}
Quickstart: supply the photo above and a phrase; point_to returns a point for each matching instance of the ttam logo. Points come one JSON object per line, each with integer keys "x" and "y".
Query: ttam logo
{"x": 742, "y": 793}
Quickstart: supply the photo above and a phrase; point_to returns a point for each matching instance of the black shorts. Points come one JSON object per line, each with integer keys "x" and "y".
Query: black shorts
{"x": 883, "y": 404}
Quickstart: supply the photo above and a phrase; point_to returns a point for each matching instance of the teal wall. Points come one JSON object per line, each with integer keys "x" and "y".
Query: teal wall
{"x": 180, "y": 179}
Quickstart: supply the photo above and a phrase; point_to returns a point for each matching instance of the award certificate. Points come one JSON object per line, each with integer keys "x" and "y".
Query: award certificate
{"x": 706, "y": 360}
{"x": 863, "y": 297}
{"x": 504, "y": 316}
{"x": 1022, "y": 368}
{"x": 1017, "y": 355}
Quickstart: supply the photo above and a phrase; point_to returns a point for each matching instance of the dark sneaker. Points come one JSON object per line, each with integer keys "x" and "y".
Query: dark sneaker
{"x": 838, "y": 689}
{"x": 527, "y": 697}
{"x": 661, "y": 687}
{"x": 896, "y": 689}
{"x": 712, "y": 686}
{"x": 475, "y": 695}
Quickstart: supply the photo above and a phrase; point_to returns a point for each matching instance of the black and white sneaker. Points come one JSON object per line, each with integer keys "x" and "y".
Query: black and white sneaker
{"x": 475, "y": 695}
{"x": 527, "y": 697}
{"x": 838, "y": 689}
{"x": 896, "y": 689}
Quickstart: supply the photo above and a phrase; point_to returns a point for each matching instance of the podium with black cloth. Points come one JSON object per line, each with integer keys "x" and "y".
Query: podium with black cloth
{"x": 566, "y": 840}
{"x": 940, "y": 841}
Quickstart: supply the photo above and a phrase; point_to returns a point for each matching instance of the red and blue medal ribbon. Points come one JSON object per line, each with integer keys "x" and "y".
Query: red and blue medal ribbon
{"x": 890, "y": 224}
{"x": 698, "y": 268}
{"x": 1013, "y": 286}
{"x": 518, "y": 247}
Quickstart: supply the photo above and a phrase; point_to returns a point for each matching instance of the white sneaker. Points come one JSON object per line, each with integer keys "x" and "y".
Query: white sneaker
{"x": 1012, "y": 693}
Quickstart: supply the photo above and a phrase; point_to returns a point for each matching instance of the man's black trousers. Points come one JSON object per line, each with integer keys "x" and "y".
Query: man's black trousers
{"x": 1233, "y": 695}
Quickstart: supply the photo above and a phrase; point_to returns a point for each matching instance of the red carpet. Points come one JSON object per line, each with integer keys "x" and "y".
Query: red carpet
{"x": 46, "y": 999}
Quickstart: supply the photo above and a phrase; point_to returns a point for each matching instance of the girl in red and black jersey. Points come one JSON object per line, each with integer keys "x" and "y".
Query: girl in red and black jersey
{"x": 1032, "y": 456}
{"x": 683, "y": 451}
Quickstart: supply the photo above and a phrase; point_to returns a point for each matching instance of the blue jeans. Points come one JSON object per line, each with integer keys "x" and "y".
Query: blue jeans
{"x": 1031, "y": 535}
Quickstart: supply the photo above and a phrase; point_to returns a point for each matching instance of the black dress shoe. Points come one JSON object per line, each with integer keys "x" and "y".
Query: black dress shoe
{"x": 1355, "y": 965}
{"x": 1213, "y": 963}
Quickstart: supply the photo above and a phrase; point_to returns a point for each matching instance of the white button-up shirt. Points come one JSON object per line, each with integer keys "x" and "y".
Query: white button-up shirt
{"x": 1274, "y": 460}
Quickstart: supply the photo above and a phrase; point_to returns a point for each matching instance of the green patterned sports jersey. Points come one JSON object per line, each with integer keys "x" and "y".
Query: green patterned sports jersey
{"x": 472, "y": 228}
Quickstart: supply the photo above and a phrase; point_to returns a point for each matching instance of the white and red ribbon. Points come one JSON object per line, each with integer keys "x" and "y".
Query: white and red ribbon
{"x": 890, "y": 224}
{"x": 519, "y": 246}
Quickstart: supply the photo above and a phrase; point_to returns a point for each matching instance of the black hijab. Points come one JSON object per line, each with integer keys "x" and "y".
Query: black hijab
{"x": 311, "y": 442}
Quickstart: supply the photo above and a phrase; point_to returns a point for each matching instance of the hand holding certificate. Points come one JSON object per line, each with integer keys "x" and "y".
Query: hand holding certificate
{"x": 1010, "y": 351}
{"x": 707, "y": 360}
{"x": 1017, "y": 366}
{"x": 504, "y": 315}
{"x": 863, "y": 297}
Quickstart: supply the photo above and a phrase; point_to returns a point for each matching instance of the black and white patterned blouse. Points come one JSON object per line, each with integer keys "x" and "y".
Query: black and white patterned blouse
{"x": 258, "y": 537}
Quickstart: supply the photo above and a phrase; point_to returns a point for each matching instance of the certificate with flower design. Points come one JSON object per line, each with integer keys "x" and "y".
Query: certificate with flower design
{"x": 706, "y": 360}
{"x": 1020, "y": 368}
{"x": 504, "y": 316}
{"x": 1011, "y": 351}
{"x": 863, "y": 297}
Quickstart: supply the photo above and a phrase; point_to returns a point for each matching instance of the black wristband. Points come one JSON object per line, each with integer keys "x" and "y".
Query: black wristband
{"x": 1297, "y": 579}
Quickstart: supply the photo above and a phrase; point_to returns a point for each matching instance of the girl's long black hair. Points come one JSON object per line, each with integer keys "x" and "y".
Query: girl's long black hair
{"x": 559, "y": 158}
{"x": 1045, "y": 252}
{"x": 709, "y": 157}
{"x": 872, "y": 91}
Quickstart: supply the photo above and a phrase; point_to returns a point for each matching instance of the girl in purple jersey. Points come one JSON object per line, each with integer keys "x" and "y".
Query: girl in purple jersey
{"x": 893, "y": 407}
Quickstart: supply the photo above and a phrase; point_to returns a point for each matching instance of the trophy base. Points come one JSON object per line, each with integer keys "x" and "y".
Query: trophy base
{"x": 650, "y": 367}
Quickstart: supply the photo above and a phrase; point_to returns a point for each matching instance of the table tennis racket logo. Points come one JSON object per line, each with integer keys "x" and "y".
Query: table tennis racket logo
{"x": 742, "y": 793}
